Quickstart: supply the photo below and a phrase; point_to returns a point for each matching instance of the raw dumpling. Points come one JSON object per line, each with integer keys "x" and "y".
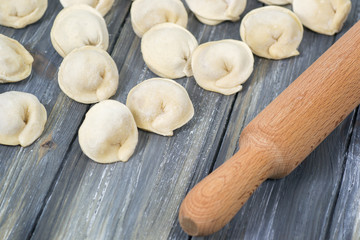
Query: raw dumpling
{"x": 222, "y": 66}
{"x": 276, "y": 2}
{"x": 272, "y": 32}
{"x": 20, "y": 13}
{"x": 103, "y": 6}
{"x": 147, "y": 13}
{"x": 167, "y": 50}
{"x": 77, "y": 26}
{"x": 22, "y": 119}
{"x": 213, "y": 12}
{"x": 88, "y": 75}
{"x": 322, "y": 16}
{"x": 15, "y": 60}
{"x": 108, "y": 133}
{"x": 160, "y": 105}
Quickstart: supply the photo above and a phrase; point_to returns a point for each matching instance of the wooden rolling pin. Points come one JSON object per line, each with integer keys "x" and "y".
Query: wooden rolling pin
{"x": 280, "y": 137}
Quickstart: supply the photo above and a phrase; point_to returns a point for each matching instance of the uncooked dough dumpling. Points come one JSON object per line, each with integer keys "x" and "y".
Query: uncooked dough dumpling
{"x": 20, "y": 13}
{"x": 222, "y": 66}
{"x": 276, "y": 2}
{"x": 78, "y": 26}
{"x": 103, "y": 6}
{"x": 272, "y": 32}
{"x": 108, "y": 133}
{"x": 322, "y": 16}
{"x": 147, "y": 13}
{"x": 22, "y": 118}
{"x": 15, "y": 60}
{"x": 213, "y": 12}
{"x": 160, "y": 105}
{"x": 167, "y": 50}
{"x": 88, "y": 75}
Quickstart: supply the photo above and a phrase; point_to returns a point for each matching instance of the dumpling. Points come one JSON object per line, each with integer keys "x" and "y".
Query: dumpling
{"x": 272, "y": 32}
{"x": 108, "y": 133}
{"x": 15, "y": 60}
{"x": 20, "y": 13}
{"x": 213, "y": 12}
{"x": 222, "y": 66}
{"x": 276, "y": 2}
{"x": 103, "y": 6}
{"x": 147, "y": 13}
{"x": 22, "y": 119}
{"x": 77, "y": 26}
{"x": 167, "y": 50}
{"x": 160, "y": 105}
{"x": 322, "y": 16}
{"x": 88, "y": 75}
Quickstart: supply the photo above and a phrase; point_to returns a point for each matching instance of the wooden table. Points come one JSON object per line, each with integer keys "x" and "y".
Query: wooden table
{"x": 51, "y": 190}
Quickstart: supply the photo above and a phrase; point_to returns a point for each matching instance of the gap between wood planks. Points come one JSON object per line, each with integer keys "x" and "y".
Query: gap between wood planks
{"x": 58, "y": 173}
{"x": 345, "y": 158}
{"x": 212, "y": 166}
{"x": 334, "y": 202}
{"x": 54, "y": 182}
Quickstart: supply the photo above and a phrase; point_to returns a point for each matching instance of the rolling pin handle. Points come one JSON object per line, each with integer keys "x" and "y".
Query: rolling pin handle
{"x": 222, "y": 193}
{"x": 280, "y": 137}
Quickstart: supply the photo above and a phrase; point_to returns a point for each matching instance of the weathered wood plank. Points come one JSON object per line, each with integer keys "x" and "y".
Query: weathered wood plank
{"x": 345, "y": 222}
{"x": 139, "y": 199}
{"x": 299, "y": 206}
{"x": 26, "y": 174}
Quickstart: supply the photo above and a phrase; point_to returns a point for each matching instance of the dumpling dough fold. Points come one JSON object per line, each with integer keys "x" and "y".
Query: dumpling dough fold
{"x": 213, "y": 12}
{"x": 160, "y": 105}
{"x": 167, "y": 50}
{"x": 222, "y": 66}
{"x": 322, "y": 16}
{"x": 15, "y": 60}
{"x": 276, "y": 2}
{"x": 20, "y": 13}
{"x": 272, "y": 32}
{"x": 103, "y": 6}
{"x": 147, "y": 13}
{"x": 22, "y": 119}
{"x": 108, "y": 133}
{"x": 78, "y": 26}
{"x": 88, "y": 75}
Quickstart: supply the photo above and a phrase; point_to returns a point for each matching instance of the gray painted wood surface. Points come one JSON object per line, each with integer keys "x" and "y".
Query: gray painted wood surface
{"x": 51, "y": 190}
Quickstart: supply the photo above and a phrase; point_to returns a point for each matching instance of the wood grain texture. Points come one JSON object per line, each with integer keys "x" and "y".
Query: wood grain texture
{"x": 280, "y": 137}
{"x": 27, "y": 174}
{"x": 345, "y": 222}
{"x": 291, "y": 208}
{"x": 52, "y": 191}
{"x": 140, "y": 209}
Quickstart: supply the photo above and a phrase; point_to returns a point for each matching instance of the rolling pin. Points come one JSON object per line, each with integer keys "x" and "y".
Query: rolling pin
{"x": 277, "y": 140}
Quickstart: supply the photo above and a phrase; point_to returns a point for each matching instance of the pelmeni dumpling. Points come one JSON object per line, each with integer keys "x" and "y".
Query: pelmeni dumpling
{"x": 88, "y": 75}
{"x": 20, "y": 13}
{"x": 276, "y": 2}
{"x": 147, "y": 13}
{"x": 15, "y": 60}
{"x": 77, "y": 26}
{"x": 108, "y": 133}
{"x": 167, "y": 50}
{"x": 160, "y": 105}
{"x": 222, "y": 66}
{"x": 272, "y": 32}
{"x": 213, "y": 12}
{"x": 22, "y": 118}
{"x": 103, "y": 6}
{"x": 322, "y": 16}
